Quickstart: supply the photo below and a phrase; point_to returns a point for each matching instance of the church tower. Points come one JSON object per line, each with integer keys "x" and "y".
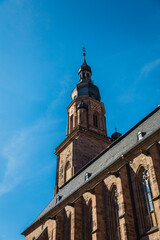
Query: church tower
{"x": 86, "y": 128}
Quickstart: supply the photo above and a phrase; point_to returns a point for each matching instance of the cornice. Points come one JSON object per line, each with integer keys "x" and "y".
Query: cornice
{"x": 76, "y": 131}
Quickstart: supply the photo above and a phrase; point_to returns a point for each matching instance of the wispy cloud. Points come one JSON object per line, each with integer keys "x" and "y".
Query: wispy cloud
{"x": 19, "y": 149}
{"x": 133, "y": 91}
{"x": 11, "y": 153}
{"x": 149, "y": 67}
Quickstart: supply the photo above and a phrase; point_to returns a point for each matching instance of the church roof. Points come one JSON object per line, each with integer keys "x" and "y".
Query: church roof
{"x": 149, "y": 125}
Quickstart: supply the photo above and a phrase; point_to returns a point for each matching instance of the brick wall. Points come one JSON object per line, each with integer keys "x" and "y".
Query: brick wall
{"x": 97, "y": 194}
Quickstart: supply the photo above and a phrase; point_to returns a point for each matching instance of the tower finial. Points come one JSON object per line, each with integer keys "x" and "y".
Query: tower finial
{"x": 84, "y": 51}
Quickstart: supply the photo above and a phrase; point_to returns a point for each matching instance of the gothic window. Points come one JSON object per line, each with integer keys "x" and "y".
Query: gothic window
{"x": 95, "y": 120}
{"x": 147, "y": 214}
{"x": 146, "y": 189}
{"x": 68, "y": 172}
{"x": 115, "y": 214}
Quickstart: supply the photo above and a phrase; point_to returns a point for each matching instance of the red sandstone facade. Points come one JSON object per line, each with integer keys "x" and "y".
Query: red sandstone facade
{"x": 119, "y": 199}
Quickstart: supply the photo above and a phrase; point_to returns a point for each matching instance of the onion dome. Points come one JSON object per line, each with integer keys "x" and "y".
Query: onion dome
{"x": 85, "y": 86}
{"x": 116, "y": 135}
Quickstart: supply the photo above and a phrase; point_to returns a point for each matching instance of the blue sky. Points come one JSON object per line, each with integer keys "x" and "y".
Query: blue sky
{"x": 40, "y": 53}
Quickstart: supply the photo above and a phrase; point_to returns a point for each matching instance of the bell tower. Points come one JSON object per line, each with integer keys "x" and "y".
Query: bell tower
{"x": 86, "y": 128}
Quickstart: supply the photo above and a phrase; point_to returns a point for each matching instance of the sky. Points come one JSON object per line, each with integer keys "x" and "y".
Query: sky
{"x": 40, "y": 53}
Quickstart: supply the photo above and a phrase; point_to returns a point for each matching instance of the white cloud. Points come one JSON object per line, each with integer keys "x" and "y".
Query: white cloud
{"x": 149, "y": 67}
{"x": 18, "y": 152}
{"x": 19, "y": 149}
{"x": 11, "y": 153}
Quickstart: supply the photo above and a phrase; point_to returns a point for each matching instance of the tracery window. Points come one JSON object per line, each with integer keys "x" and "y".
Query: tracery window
{"x": 115, "y": 214}
{"x": 147, "y": 215}
{"x": 146, "y": 189}
{"x": 147, "y": 210}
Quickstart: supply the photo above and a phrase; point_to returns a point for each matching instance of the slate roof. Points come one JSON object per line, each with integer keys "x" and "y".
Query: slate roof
{"x": 150, "y": 124}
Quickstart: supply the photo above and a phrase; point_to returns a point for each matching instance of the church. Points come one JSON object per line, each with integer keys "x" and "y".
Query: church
{"x": 106, "y": 188}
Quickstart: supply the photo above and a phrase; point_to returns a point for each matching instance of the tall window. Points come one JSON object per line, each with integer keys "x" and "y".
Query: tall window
{"x": 68, "y": 172}
{"x": 146, "y": 197}
{"x": 71, "y": 123}
{"x": 115, "y": 214}
{"x": 146, "y": 189}
{"x": 95, "y": 120}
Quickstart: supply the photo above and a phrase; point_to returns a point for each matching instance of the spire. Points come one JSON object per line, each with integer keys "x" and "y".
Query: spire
{"x": 85, "y": 86}
{"x": 84, "y": 70}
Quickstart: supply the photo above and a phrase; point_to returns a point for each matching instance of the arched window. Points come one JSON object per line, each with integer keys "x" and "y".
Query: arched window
{"x": 68, "y": 171}
{"x": 115, "y": 214}
{"x": 148, "y": 216}
{"x": 146, "y": 188}
{"x": 95, "y": 120}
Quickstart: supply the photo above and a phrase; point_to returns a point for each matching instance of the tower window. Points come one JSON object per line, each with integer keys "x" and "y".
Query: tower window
{"x": 71, "y": 123}
{"x": 68, "y": 172}
{"x": 88, "y": 75}
{"x": 95, "y": 120}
